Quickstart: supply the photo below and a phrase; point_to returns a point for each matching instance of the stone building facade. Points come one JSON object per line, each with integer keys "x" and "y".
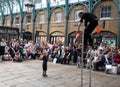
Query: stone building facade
{"x": 110, "y": 26}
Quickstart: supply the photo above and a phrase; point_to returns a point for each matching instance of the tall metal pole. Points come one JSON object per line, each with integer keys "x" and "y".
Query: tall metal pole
{"x": 90, "y": 70}
{"x": 82, "y": 58}
{"x": 90, "y": 10}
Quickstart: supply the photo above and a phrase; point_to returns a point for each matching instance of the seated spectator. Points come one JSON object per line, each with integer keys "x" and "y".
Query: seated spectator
{"x": 101, "y": 46}
{"x": 95, "y": 59}
{"x": 21, "y": 50}
{"x": 65, "y": 56}
{"x": 109, "y": 58}
{"x": 100, "y": 61}
{"x": 12, "y": 52}
{"x": 75, "y": 54}
{"x": 116, "y": 57}
{"x": 59, "y": 53}
{"x": 33, "y": 51}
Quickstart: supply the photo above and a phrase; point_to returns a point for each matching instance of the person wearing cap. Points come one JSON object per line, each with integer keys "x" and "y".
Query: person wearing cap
{"x": 90, "y": 23}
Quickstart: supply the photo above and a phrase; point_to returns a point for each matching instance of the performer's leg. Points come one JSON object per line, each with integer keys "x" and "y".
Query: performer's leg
{"x": 88, "y": 31}
{"x": 90, "y": 40}
{"x": 85, "y": 40}
{"x": 92, "y": 26}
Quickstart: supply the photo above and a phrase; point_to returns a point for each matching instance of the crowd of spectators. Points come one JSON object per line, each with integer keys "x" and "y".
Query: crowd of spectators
{"x": 100, "y": 55}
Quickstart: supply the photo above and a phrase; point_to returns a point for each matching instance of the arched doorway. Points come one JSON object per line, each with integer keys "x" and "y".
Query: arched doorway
{"x": 40, "y": 36}
{"x": 27, "y": 35}
{"x": 56, "y": 36}
{"x": 108, "y": 38}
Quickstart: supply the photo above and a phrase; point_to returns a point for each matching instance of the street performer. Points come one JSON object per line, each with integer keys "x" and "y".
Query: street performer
{"x": 90, "y": 23}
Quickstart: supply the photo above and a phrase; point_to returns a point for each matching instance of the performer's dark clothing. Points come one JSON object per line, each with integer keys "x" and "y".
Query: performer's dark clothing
{"x": 93, "y": 22}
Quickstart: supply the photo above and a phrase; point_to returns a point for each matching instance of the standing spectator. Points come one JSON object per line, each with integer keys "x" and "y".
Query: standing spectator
{"x": 44, "y": 64}
{"x": 75, "y": 55}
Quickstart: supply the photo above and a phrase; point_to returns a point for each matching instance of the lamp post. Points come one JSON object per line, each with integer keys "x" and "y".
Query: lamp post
{"x": 29, "y": 6}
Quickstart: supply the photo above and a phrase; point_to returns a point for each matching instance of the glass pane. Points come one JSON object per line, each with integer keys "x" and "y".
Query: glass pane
{"x": 76, "y": 14}
{"x": 109, "y": 8}
{"x": 105, "y": 11}
{"x": 28, "y": 19}
{"x": 42, "y": 18}
{"x": 17, "y": 20}
{"x": 58, "y": 17}
{"x": 109, "y": 14}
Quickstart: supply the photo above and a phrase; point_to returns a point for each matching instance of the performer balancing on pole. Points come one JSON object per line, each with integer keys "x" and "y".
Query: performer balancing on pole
{"x": 90, "y": 23}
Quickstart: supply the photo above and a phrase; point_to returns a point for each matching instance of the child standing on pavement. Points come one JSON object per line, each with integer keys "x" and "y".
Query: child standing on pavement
{"x": 44, "y": 65}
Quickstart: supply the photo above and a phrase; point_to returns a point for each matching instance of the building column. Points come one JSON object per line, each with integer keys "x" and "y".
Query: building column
{"x": 90, "y": 6}
{"x": 11, "y": 12}
{"x": 47, "y": 31}
{"x": 33, "y": 30}
{"x": 3, "y": 18}
{"x": 33, "y": 23}
{"x": 66, "y": 23}
{"x": 66, "y": 31}
{"x": 21, "y": 27}
{"x": 48, "y": 20}
{"x": 118, "y": 37}
{"x": 21, "y": 24}
{"x": 21, "y": 18}
{"x": 11, "y": 19}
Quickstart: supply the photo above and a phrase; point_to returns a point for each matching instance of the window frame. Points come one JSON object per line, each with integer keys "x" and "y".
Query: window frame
{"x": 106, "y": 14}
{"x": 43, "y": 19}
{"x": 59, "y": 17}
{"x": 76, "y": 12}
{"x": 17, "y": 21}
{"x": 28, "y": 21}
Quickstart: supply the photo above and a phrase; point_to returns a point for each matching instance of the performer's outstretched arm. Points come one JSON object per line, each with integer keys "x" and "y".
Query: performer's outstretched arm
{"x": 79, "y": 24}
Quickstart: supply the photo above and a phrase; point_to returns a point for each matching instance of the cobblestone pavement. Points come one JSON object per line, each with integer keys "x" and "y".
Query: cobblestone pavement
{"x": 29, "y": 74}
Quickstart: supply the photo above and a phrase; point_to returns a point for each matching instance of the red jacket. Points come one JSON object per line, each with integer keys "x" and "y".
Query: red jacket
{"x": 116, "y": 58}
